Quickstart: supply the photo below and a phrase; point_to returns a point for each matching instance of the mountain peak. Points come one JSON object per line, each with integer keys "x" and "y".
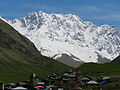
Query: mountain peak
{"x": 106, "y": 27}
{"x": 58, "y": 34}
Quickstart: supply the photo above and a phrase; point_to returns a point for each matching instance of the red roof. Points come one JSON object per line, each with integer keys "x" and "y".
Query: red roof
{"x": 39, "y": 86}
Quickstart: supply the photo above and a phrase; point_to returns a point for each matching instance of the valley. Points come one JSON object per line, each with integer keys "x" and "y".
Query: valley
{"x": 47, "y": 44}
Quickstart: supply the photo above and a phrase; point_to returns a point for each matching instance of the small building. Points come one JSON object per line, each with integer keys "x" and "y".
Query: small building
{"x": 102, "y": 82}
{"x": 40, "y": 85}
{"x": 60, "y": 89}
{"x": 1, "y": 85}
{"x": 19, "y": 88}
{"x": 67, "y": 76}
{"x": 86, "y": 79}
{"x": 77, "y": 88}
{"x": 92, "y": 82}
{"x": 51, "y": 87}
{"x": 106, "y": 78}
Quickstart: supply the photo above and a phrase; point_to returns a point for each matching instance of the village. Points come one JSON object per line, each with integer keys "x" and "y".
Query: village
{"x": 67, "y": 81}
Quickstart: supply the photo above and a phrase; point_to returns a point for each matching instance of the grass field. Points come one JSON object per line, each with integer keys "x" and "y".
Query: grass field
{"x": 112, "y": 68}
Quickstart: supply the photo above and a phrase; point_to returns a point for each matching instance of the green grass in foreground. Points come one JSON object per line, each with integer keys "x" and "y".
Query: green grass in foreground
{"x": 112, "y": 68}
{"x": 14, "y": 72}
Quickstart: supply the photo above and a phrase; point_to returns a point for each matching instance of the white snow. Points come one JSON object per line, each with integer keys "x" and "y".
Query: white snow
{"x": 57, "y": 34}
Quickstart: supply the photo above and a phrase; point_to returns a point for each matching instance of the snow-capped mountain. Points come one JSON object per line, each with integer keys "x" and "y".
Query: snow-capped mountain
{"x": 58, "y": 35}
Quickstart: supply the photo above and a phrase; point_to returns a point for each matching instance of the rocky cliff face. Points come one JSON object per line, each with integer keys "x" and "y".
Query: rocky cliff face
{"x": 117, "y": 59}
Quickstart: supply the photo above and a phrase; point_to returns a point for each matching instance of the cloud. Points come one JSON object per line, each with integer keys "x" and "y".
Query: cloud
{"x": 73, "y": 9}
{"x": 112, "y": 17}
{"x": 101, "y": 12}
{"x": 104, "y": 12}
{"x": 87, "y": 8}
{"x": 110, "y": 6}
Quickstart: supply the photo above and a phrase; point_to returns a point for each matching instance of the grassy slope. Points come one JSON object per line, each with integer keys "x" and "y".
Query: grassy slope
{"x": 112, "y": 68}
{"x": 19, "y": 57}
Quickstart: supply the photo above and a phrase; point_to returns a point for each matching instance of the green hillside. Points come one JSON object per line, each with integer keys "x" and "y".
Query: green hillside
{"x": 112, "y": 68}
{"x": 19, "y": 57}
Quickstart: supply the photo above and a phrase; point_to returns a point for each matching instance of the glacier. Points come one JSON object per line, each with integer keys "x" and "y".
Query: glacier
{"x": 58, "y": 34}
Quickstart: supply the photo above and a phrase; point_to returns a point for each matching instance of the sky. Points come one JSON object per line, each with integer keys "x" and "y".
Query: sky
{"x": 97, "y": 11}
